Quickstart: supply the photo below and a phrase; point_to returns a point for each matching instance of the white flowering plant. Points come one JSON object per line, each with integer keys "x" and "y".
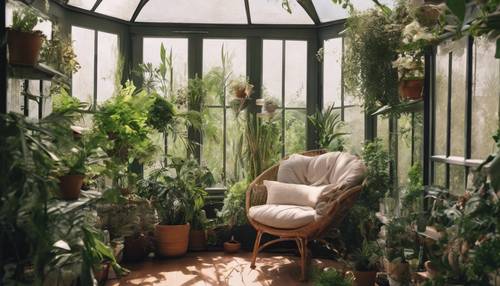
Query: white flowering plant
{"x": 410, "y": 66}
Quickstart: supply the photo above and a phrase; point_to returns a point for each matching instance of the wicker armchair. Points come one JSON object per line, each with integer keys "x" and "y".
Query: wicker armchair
{"x": 336, "y": 211}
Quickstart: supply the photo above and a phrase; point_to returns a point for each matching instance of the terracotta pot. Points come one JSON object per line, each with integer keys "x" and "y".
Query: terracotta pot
{"x": 172, "y": 240}
{"x": 411, "y": 89}
{"x": 364, "y": 278}
{"x": 136, "y": 248}
{"x": 70, "y": 186}
{"x": 197, "y": 240}
{"x": 398, "y": 272}
{"x": 232, "y": 246}
{"x": 24, "y": 48}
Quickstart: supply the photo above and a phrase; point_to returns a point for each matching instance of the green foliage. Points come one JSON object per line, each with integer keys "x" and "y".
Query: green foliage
{"x": 415, "y": 188}
{"x": 233, "y": 212}
{"x": 331, "y": 277}
{"x": 24, "y": 20}
{"x": 63, "y": 102}
{"x": 326, "y": 124}
{"x": 367, "y": 258}
{"x": 177, "y": 197}
{"x": 121, "y": 124}
{"x": 59, "y": 53}
{"x": 373, "y": 43}
{"x": 378, "y": 179}
{"x": 161, "y": 114}
{"x": 398, "y": 236}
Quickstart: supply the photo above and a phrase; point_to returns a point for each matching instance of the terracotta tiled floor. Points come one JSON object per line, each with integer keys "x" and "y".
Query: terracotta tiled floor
{"x": 217, "y": 268}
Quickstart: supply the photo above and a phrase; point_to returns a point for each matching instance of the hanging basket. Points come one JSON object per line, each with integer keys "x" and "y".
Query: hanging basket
{"x": 411, "y": 89}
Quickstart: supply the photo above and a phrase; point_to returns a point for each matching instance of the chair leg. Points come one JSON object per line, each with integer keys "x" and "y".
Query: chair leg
{"x": 256, "y": 249}
{"x": 303, "y": 259}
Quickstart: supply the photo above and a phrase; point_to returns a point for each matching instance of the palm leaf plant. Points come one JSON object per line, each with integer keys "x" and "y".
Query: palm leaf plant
{"x": 327, "y": 124}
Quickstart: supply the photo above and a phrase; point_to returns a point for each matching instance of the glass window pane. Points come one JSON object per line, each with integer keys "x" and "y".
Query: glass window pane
{"x": 107, "y": 66}
{"x": 295, "y": 73}
{"x": 457, "y": 180}
{"x": 83, "y": 80}
{"x": 332, "y": 72}
{"x": 84, "y": 4}
{"x": 194, "y": 11}
{"x": 295, "y": 131}
{"x": 272, "y": 66}
{"x": 327, "y": 11}
{"x": 355, "y": 119}
{"x": 213, "y": 148}
{"x": 220, "y": 57}
{"x": 404, "y": 147}
{"x": 439, "y": 174}
{"x": 485, "y": 97}
{"x": 235, "y": 157}
{"x": 458, "y": 91}
{"x": 271, "y": 12}
{"x": 441, "y": 100}
{"x": 118, "y": 9}
{"x": 383, "y": 130}
{"x": 178, "y": 48}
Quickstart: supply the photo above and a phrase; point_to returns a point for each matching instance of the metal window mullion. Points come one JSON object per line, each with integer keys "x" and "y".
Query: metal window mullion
{"x": 283, "y": 121}
{"x": 26, "y": 99}
{"x": 96, "y": 63}
{"x": 448, "y": 118}
{"x": 468, "y": 103}
{"x": 40, "y": 101}
{"x": 342, "y": 105}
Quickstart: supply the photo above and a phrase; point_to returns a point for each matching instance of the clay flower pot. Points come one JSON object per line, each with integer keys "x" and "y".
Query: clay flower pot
{"x": 24, "y": 47}
{"x": 172, "y": 240}
{"x": 197, "y": 240}
{"x": 364, "y": 278}
{"x": 70, "y": 186}
{"x": 136, "y": 248}
{"x": 232, "y": 246}
{"x": 411, "y": 89}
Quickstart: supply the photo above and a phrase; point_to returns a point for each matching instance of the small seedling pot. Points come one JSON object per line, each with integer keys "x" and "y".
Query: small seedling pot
{"x": 232, "y": 246}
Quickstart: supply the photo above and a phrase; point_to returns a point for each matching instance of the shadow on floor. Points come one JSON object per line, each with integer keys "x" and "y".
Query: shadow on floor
{"x": 217, "y": 268}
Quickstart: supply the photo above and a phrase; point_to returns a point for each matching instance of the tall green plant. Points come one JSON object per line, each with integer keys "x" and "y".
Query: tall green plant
{"x": 327, "y": 123}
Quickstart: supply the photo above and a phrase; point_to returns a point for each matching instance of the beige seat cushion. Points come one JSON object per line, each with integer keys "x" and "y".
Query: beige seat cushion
{"x": 282, "y": 216}
{"x": 292, "y": 194}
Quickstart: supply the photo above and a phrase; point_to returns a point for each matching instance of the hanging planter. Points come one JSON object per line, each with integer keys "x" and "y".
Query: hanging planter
{"x": 411, "y": 89}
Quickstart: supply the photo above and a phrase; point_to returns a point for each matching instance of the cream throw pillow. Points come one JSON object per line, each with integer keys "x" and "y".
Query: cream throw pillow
{"x": 292, "y": 194}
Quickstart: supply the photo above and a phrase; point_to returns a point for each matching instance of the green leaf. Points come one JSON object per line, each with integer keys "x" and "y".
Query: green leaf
{"x": 62, "y": 245}
{"x": 457, "y": 7}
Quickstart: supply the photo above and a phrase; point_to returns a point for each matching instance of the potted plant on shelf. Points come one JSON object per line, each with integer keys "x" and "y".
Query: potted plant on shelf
{"x": 24, "y": 43}
{"x": 366, "y": 263}
{"x": 58, "y": 52}
{"x": 411, "y": 75}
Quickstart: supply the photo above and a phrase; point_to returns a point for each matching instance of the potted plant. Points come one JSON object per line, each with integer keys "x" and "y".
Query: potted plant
{"x": 398, "y": 235}
{"x": 71, "y": 182}
{"x": 232, "y": 246}
{"x": 24, "y": 43}
{"x": 176, "y": 199}
{"x": 327, "y": 123}
{"x": 241, "y": 89}
{"x": 58, "y": 52}
{"x": 198, "y": 234}
{"x": 411, "y": 76}
{"x": 366, "y": 263}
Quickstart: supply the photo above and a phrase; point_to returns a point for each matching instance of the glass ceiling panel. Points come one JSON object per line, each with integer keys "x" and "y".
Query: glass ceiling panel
{"x": 271, "y": 12}
{"x": 84, "y": 4}
{"x": 194, "y": 11}
{"x": 327, "y": 11}
{"x": 118, "y": 9}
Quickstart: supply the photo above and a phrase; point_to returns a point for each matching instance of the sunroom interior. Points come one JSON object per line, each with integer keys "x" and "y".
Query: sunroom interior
{"x": 250, "y": 142}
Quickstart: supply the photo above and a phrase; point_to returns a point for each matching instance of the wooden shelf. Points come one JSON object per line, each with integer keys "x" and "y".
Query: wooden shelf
{"x": 37, "y": 72}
